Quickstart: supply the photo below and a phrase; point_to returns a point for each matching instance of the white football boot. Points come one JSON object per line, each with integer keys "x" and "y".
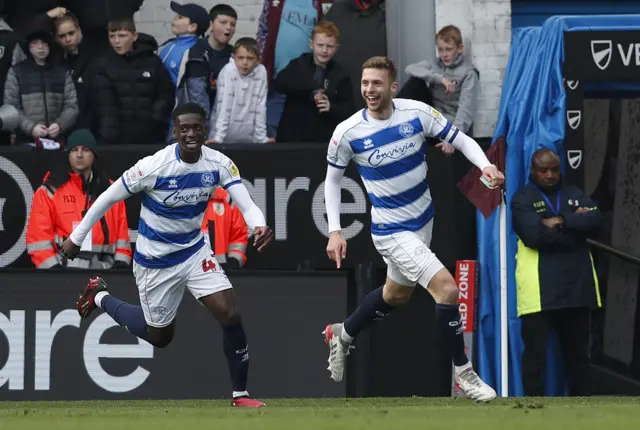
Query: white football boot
{"x": 338, "y": 350}
{"x": 474, "y": 387}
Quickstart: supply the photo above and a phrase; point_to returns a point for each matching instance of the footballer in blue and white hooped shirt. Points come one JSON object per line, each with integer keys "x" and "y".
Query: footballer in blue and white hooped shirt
{"x": 171, "y": 254}
{"x": 387, "y": 141}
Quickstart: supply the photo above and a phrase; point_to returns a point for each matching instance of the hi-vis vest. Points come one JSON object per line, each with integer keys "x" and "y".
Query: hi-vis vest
{"x": 223, "y": 222}
{"x": 54, "y": 214}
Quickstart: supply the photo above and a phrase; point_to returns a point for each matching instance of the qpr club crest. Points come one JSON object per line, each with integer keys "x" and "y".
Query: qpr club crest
{"x": 207, "y": 179}
{"x": 406, "y": 130}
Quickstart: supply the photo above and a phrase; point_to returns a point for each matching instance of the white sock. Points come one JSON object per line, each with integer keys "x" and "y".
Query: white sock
{"x": 98, "y": 298}
{"x": 461, "y": 369}
{"x": 345, "y": 337}
{"x": 237, "y": 394}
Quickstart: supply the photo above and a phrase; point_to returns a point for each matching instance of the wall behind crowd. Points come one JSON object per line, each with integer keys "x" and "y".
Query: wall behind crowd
{"x": 486, "y": 25}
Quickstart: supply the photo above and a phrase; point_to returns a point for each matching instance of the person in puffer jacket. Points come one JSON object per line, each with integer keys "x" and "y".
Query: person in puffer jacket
{"x": 41, "y": 89}
{"x": 452, "y": 79}
{"x": 64, "y": 197}
{"x": 132, "y": 92}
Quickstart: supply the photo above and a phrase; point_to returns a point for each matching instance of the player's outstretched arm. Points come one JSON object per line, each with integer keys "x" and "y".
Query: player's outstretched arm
{"x": 252, "y": 214}
{"x": 114, "y": 194}
{"x": 337, "y": 246}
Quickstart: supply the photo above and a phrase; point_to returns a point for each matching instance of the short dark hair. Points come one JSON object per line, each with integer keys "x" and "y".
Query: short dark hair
{"x": 187, "y": 108}
{"x": 248, "y": 43}
{"x": 122, "y": 24}
{"x": 222, "y": 9}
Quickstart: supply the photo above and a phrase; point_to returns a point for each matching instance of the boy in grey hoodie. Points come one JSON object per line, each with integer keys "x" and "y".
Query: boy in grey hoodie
{"x": 451, "y": 78}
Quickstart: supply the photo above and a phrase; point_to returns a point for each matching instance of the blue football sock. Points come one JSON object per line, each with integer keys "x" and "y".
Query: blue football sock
{"x": 372, "y": 308}
{"x": 448, "y": 318}
{"x": 128, "y": 316}
{"x": 234, "y": 343}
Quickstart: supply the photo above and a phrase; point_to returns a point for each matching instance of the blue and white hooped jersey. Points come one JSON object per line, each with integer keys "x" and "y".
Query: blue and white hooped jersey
{"x": 390, "y": 156}
{"x": 175, "y": 197}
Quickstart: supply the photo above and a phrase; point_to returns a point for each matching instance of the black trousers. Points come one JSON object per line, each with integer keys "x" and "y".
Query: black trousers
{"x": 572, "y": 328}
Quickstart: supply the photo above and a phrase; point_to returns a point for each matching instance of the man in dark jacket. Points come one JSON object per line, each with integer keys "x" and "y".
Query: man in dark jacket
{"x": 318, "y": 90}
{"x": 555, "y": 277}
{"x": 133, "y": 94}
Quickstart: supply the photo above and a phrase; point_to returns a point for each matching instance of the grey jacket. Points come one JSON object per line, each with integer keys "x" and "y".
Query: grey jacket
{"x": 42, "y": 95}
{"x": 459, "y": 107}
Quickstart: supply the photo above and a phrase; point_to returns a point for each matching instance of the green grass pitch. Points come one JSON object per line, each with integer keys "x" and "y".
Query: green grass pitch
{"x": 601, "y": 413}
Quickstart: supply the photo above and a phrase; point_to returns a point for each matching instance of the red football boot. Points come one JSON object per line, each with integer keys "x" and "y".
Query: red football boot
{"x": 86, "y": 302}
{"x": 246, "y": 402}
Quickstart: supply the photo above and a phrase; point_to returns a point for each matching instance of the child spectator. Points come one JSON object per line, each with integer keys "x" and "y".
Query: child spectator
{"x": 78, "y": 60}
{"x": 188, "y": 25}
{"x": 452, "y": 79}
{"x": 241, "y": 101}
{"x": 191, "y": 22}
{"x": 206, "y": 58}
{"x": 134, "y": 94}
{"x": 318, "y": 90}
{"x": 42, "y": 91}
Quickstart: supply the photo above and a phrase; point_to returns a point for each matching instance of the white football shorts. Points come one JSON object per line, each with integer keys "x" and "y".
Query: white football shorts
{"x": 408, "y": 257}
{"x": 161, "y": 290}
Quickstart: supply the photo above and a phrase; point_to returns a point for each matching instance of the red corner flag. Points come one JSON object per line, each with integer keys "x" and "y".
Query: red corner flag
{"x": 483, "y": 198}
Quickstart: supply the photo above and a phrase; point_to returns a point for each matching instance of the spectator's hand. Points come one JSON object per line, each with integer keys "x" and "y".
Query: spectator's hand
{"x": 323, "y": 103}
{"x": 54, "y": 130}
{"x": 493, "y": 176}
{"x": 39, "y": 131}
{"x": 450, "y": 86}
{"x": 271, "y": 140}
{"x": 70, "y": 249}
{"x": 447, "y": 148}
{"x": 337, "y": 248}
{"x": 553, "y": 222}
{"x": 210, "y": 141}
{"x": 581, "y": 210}
{"x": 262, "y": 237}
{"x": 57, "y": 12}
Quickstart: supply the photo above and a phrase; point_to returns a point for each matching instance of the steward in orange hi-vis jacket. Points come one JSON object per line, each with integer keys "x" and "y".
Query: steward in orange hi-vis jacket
{"x": 225, "y": 228}
{"x": 59, "y": 205}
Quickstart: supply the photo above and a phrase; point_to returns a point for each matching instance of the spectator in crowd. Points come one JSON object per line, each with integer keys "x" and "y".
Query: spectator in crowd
{"x": 133, "y": 94}
{"x": 452, "y": 79}
{"x": 555, "y": 277}
{"x": 363, "y": 34}
{"x": 189, "y": 23}
{"x": 207, "y": 58}
{"x": 317, "y": 89}
{"x": 204, "y": 60}
{"x": 8, "y": 41}
{"x": 284, "y": 30}
{"x": 225, "y": 230}
{"x": 78, "y": 61}
{"x": 59, "y": 205}
{"x": 241, "y": 101}
{"x": 42, "y": 91}
{"x": 94, "y": 17}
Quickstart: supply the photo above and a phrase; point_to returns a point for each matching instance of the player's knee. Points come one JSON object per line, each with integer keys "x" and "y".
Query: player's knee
{"x": 396, "y": 296}
{"x": 230, "y": 317}
{"x": 449, "y": 293}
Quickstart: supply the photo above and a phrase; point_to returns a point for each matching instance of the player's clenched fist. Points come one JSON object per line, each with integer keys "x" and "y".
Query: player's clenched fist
{"x": 337, "y": 248}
